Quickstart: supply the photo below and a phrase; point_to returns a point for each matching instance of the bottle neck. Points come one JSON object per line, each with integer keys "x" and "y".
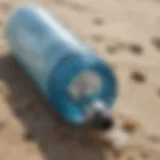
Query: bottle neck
{"x": 98, "y": 115}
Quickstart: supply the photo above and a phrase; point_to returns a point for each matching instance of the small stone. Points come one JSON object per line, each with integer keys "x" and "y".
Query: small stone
{"x": 116, "y": 139}
{"x": 144, "y": 155}
{"x": 138, "y": 77}
{"x": 112, "y": 49}
{"x": 98, "y": 21}
{"x": 135, "y": 48}
{"x": 2, "y": 125}
{"x": 130, "y": 125}
{"x": 154, "y": 138}
{"x": 156, "y": 42}
{"x": 115, "y": 47}
{"x": 119, "y": 138}
{"x": 28, "y": 136}
{"x": 158, "y": 91}
{"x": 97, "y": 38}
{"x": 5, "y": 6}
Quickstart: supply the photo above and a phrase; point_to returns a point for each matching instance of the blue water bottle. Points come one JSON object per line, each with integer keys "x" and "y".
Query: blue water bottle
{"x": 78, "y": 84}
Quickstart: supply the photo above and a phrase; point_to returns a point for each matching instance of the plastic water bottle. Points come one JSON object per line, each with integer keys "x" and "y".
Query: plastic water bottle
{"x": 79, "y": 85}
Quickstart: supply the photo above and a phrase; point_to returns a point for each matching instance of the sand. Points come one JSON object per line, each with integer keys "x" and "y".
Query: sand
{"x": 126, "y": 33}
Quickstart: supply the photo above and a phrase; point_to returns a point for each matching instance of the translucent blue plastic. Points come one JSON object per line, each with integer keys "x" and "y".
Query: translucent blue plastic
{"x": 53, "y": 57}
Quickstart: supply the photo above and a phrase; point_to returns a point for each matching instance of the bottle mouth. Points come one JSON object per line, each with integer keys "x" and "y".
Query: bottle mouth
{"x": 85, "y": 85}
{"x": 99, "y": 116}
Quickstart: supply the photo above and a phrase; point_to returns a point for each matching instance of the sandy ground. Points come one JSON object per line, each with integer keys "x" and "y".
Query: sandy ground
{"x": 124, "y": 32}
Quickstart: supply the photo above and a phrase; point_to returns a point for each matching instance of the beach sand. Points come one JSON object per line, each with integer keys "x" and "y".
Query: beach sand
{"x": 126, "y": 33}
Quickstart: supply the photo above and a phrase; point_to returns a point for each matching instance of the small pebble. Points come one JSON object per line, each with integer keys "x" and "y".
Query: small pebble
{"x": 154, "y": 138}
{"x": 5, "y": 6}
{"x": 144, "y": 155}
{"x": 156, "y": 42}
{"x": 98, "y": 21}
{"x": 135, "y": 48}
{"x": 115, "y": 139}
{"x": 120, "y": 139}
{"x": 130, "y": 125}
{"x": 2, "y": 125}
{"x": 97, "y": 38}
{"x": 158, "y": 91}
{"x": 28, "y": 136}
{"x": 115, "y": 47}
{"x": 138, "y": 77}
{"x": 112, "y": 49}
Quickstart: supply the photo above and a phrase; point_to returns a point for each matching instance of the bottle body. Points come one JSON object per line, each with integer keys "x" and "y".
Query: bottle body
{"x": 59, "y": 63}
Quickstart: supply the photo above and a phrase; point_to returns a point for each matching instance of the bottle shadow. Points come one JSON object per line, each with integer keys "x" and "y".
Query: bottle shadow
{"x": 55, "y": 139}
